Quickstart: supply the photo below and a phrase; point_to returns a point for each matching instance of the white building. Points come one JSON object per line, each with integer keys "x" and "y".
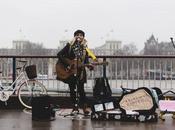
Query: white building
{"x": 25, "y": 44}
{"x": 109, "y": 48}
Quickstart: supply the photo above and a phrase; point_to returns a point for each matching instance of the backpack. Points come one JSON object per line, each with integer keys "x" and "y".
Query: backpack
{"x": 101, "y": 88}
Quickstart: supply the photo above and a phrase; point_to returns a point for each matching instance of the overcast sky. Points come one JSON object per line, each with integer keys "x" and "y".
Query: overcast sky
{"x": 48, "y": 21}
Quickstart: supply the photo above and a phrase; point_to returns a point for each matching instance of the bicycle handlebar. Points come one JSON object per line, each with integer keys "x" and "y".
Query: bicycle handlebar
{"x": 23, "y": 61}
{"x": 24, "y": 65}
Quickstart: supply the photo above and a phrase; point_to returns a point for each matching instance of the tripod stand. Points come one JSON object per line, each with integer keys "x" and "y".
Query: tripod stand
{"x": 78, "y": 51}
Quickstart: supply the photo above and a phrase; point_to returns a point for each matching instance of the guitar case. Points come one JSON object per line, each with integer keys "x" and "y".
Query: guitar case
{"x": 137, "y": 105}
{"x": 140, "y": 100}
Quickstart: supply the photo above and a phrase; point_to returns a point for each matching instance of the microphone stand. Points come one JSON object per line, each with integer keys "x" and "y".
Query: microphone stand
{"x": 172, "y": 42}
{"x": 78, "y": 54}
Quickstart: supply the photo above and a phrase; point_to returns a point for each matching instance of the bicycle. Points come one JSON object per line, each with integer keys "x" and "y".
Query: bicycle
{"x": 25, "y": 85}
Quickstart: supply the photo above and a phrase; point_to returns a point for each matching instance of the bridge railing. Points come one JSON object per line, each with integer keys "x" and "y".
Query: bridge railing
{"x": 127, "y": 71}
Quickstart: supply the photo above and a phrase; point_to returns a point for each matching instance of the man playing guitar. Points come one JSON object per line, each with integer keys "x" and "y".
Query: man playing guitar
{"x": 71, "y": 67}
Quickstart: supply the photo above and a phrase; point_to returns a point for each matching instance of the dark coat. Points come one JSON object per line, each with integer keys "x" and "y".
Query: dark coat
{"x": 69, "y": 52}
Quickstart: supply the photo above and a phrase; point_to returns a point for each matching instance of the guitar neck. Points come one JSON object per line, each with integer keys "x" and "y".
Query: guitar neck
{"x": 84, "y": 65}
{"x": 97, "y": 63}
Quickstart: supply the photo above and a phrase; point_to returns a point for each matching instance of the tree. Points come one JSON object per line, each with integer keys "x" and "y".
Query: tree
{"x": 129, "y": 49}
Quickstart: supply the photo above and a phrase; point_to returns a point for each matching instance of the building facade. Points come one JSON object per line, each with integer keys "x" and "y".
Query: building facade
{"x": 109, "y": 48}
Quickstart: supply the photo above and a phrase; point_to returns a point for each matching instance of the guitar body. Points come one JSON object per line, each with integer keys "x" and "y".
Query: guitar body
{"x": 61, "y": 71}
{"x": 62, "y": 74}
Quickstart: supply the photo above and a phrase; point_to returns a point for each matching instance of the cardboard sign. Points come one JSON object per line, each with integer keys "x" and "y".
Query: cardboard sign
{"x": 139, "y": 100}
{"x": 167, "y": 105}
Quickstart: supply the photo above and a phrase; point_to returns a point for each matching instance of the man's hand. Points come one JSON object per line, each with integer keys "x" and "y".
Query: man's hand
{"x": 90, "y": 67}
{"x": 67, "y": 69}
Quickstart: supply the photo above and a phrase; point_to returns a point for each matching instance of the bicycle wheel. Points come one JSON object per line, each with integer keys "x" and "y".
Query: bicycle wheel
{"x": 25, "y": 93}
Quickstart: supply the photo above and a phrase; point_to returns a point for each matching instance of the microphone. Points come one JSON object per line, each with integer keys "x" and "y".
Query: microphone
{"x": 78, "y": 40}
{"x": 172, "y": 41}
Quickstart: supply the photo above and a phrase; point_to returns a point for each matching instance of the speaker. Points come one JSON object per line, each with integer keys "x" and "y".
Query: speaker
{"x": 42, "y": 108}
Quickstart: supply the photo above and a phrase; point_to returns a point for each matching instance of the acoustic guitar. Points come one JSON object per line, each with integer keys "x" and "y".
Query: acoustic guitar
{"x": 63, "y": 74}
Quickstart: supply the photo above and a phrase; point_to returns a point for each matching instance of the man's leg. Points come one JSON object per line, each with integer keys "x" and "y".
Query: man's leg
{"x": 72, "y": 87}
{"x": 81, "y": 93}
{"x": 83, "y": 99}
{"x": 72, "y": 93}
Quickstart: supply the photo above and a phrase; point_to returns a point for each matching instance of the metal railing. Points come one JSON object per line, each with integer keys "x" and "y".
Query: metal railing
{"x": 126, "y": 71}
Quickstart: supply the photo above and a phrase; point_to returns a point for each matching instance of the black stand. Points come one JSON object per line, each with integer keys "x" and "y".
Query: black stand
{"x": 78, "y": 53}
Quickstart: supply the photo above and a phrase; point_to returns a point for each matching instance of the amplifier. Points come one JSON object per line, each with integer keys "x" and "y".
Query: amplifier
{"x": 42, "y": 108}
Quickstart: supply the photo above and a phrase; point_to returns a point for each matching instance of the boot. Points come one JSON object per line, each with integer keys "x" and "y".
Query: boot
{"x": 75, "y": 110}
{"x": 86, "y": 110}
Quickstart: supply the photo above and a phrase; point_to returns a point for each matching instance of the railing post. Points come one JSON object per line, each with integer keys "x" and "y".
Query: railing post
{"x": 14, "y": 70}
{"x": 104, "y": 68}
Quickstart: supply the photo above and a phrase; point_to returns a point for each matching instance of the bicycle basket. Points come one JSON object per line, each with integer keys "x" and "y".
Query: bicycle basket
{"x": 31, "y": 71}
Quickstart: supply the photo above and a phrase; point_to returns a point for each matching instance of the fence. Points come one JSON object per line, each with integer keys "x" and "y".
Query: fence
{"x": 127, "y": 71}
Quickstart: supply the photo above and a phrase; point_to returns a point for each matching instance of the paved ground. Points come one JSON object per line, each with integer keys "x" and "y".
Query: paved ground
{"x": 17, "y": 119}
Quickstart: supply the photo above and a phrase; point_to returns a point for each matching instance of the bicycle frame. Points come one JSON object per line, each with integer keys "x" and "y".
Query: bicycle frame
{"x": 23, "y": 87}
{"x": 6, "y": 92}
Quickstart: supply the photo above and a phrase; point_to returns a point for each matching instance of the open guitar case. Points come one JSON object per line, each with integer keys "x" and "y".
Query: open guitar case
{"x": 136, "y": 105}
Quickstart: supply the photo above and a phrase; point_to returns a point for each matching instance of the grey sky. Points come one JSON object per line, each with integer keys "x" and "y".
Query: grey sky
{"x": 126, "y": 20}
